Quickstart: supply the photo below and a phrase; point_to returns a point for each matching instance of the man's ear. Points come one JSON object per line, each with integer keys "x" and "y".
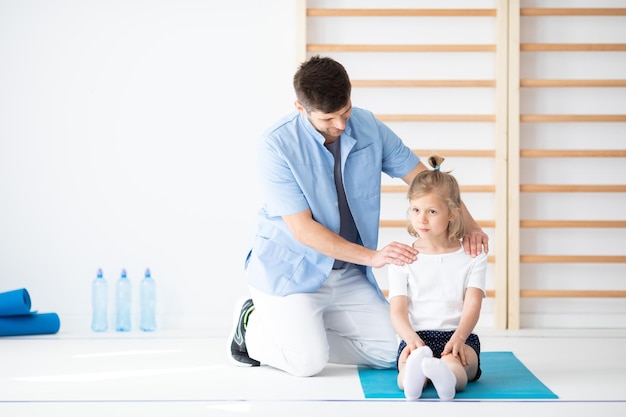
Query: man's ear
{"x": 300, "y": 107}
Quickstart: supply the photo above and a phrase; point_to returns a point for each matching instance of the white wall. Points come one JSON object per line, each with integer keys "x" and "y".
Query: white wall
{"x": 127, "y": 133}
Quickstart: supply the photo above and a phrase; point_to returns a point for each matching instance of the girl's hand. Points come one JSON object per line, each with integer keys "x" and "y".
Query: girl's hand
{"x": 415, "y": 344}
{"x": 456, "y": 348}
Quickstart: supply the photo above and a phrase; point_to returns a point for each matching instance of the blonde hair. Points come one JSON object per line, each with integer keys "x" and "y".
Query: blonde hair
{"x": 444, "y": 186}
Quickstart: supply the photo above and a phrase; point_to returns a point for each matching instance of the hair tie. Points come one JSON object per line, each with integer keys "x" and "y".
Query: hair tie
{"x": 437, "y": 167}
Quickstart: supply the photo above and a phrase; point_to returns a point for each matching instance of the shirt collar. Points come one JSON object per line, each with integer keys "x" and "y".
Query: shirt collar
{"x": 317, "y": 135}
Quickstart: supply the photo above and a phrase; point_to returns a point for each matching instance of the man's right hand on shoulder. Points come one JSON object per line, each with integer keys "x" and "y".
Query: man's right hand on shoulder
{"x": 394, "y": 253}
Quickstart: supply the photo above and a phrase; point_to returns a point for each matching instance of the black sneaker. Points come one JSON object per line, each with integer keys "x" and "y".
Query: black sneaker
{"x": 238, "y": 351}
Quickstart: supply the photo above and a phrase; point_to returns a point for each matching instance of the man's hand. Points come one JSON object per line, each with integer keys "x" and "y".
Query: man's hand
{"x": 394, "y": 253}
{"x": 475, "y": 241}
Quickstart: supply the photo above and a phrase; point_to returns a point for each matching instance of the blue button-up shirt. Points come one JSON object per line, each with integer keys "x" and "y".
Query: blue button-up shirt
{"x": 297, "y": 174}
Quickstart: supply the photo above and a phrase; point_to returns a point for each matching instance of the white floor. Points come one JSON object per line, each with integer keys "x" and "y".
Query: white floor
{"x": 178, "y": 374}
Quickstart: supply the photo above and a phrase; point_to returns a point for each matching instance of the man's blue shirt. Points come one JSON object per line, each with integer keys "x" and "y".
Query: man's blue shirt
{"x": 296, "y": 172}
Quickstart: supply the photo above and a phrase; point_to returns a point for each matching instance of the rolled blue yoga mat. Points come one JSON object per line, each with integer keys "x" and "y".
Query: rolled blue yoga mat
{"x": 30, "y": 324}
{"x": 14, "y": 303}
{"x": 16, "y": 319}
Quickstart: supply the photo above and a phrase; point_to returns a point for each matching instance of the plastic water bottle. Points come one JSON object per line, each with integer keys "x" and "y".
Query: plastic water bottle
{"x": 123, "y": 297}
{"x": 147, "y": 290}
{"x": 99, "y": 303}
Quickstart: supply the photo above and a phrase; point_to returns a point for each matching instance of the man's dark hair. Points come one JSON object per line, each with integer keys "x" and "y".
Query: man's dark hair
{"x": 322, "y": 84}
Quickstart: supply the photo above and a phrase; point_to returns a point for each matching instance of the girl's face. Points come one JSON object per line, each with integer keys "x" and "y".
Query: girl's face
{"x": 430, "y": 216}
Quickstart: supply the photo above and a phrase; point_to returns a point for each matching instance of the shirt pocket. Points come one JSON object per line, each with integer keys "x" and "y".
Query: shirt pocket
{"x": 362, "y": 173}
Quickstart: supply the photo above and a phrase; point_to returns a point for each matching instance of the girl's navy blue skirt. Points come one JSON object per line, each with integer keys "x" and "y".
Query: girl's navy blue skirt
{"x": 436, "y": 340}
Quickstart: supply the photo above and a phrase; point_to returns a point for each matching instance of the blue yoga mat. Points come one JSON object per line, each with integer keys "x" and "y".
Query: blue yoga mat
{"x": 16, "y": 319}
{"x": 30, "y": 324}
{"x": 14, "y": 303}
{"x": 503, "y": 377}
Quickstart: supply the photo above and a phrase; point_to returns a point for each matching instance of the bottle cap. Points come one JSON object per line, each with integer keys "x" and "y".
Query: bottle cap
{"x": 147, "y": 273}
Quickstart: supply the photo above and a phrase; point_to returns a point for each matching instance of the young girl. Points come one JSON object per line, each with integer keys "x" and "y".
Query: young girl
{"x": 436, "y": 300}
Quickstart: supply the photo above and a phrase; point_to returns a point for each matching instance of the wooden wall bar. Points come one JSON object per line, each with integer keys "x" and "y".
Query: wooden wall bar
{"x": 508, "y": 154}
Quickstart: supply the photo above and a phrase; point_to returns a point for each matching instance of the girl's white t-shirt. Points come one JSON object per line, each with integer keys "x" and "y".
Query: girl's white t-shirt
{"x": 435, "y": 286}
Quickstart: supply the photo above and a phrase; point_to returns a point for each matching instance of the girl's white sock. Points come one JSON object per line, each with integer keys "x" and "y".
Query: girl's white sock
{"x": 441, "y": 376}
{"x": 414, "y": 378}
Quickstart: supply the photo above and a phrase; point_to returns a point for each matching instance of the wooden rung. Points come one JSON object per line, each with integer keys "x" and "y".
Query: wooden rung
{"x": 572, "y": 223}
{"x": 531, "y": 11}
{"x": 549, "y": 188}
{"x": 572, "y": 83}
{"x": 423, "y": 83}
{"x": 403, "y": 223}
{"x": 573, "y": 153}
{"x": 400, "y": 12}
{"x": 436, "y": 118}
{"x": 317, "y": 47}
{"x": 464, "y": 188}
{"x": 572, "y": 47}
{"x": 490, "y": 293}
{"x": 469, "y": 153}
{"x": 571, "y": 259}
{"x": 580, "y": 118}
{"x": 392, "y": 223}
{"x": 572, "y": 293}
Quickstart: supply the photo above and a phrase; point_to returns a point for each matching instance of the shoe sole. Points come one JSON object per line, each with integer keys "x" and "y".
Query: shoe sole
{"x": 231, "y": 336}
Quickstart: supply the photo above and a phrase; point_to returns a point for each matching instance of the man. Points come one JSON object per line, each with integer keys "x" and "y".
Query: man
{"x": 315, "y": 299}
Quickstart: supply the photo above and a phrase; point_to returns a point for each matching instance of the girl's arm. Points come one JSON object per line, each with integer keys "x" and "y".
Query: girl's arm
{"x": 400, "y": 321}
{"x": 469, "y": 318}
